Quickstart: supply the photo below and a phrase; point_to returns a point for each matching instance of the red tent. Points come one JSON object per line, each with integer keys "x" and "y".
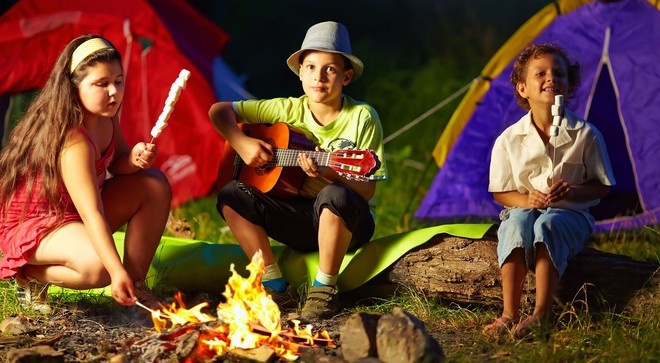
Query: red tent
{"x": 157, "y": 39}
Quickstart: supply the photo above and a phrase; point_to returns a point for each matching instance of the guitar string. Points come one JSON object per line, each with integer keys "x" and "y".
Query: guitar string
{"x": 288, "y": 157}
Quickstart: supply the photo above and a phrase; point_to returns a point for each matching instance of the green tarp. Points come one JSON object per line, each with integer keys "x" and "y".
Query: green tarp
{"x": 192, "y": 265}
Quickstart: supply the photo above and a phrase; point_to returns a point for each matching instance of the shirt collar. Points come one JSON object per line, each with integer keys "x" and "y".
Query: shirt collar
{"x": 570, "y": 122}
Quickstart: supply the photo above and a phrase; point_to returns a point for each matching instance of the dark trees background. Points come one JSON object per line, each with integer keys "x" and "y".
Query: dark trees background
{"x": 416, "y": 52}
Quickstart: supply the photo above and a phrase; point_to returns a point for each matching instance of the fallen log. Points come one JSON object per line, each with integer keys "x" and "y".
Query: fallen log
{"x": 466, "y": 271}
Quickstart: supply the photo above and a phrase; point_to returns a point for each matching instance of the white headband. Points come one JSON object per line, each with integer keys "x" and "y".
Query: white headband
{"x": 86, "y": 49}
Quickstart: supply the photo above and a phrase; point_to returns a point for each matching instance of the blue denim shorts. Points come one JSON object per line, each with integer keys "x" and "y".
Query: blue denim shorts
{"x": 563, "y": 231}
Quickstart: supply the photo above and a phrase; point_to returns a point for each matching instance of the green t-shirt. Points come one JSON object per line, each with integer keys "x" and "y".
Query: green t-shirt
{"x": 357, "y": 126}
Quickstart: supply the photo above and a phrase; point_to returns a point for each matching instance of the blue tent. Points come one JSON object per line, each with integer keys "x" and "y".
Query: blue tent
{"x": 617, "y": 44}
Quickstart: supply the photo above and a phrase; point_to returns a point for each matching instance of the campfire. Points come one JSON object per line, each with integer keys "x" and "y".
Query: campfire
{"x": 248, "y": 319}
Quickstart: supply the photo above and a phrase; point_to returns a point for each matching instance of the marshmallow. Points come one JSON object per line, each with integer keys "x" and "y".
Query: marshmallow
{"x": 162, "y": 120}
{"x": 184, "y": 74}
{"x": 556, "y": 110}
{"x": 180, "y": 82}
{"x": 554, "y": 130}
{"x": 163, "y": 117}
{"x": 175, "y": 92}
{"x": 171, "y": 99}
{"x": 173, "y": 96}
{"x": 167, "y": 110}
{"x": 155, "y": 132}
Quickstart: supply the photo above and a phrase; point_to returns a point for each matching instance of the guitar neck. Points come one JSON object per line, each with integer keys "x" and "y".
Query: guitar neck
{"x": 289, "y": 157}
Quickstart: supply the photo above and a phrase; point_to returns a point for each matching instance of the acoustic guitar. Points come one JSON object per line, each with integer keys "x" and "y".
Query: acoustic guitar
{"x": 282, "y": 176}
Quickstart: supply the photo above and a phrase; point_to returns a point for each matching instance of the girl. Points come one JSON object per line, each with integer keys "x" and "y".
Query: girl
{"x": 547, "y": 181}
{"x": 58, "y": 211}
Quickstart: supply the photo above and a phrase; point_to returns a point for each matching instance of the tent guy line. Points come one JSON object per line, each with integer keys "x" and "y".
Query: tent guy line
{"x": 614, "y": 43}
{"x": 432, "y": 110}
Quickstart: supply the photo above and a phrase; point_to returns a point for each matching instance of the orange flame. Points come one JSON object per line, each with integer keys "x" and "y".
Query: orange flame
{"x": 248, "y": 306}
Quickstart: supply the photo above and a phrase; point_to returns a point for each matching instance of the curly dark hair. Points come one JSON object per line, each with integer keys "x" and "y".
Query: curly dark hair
{"x": 534, "y": 51}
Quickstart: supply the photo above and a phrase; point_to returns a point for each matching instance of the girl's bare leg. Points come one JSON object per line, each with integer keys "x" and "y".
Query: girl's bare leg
{"x": 66, "y": 257}
{"x": 142, "y": 202}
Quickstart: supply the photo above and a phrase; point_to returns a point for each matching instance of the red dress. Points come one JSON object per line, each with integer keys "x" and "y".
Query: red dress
{"x": 19, "y": 237}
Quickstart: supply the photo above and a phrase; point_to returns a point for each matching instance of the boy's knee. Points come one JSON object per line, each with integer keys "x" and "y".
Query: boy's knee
{"x": 229, "y": 195}
{"x": 337, "y": 195}
{"x": 332, "y": 190}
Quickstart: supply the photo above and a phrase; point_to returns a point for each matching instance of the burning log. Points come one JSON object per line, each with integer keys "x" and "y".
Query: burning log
{"x": 247, "y": 321}
{"x": 466, "y": 271}
{"x": 262, "y": 354}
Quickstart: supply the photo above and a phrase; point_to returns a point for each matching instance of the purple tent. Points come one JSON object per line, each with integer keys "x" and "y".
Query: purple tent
{"x": 618, "y": 47}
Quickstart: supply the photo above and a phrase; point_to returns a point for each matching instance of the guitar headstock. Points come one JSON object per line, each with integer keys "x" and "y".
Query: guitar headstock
{"x": 354, "y": 164}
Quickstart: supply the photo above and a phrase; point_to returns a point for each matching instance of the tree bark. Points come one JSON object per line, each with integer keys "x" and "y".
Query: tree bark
{"x": 466, "y": 271}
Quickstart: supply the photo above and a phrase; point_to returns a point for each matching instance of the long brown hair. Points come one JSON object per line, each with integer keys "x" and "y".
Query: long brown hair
{"x": 35, "y": 144}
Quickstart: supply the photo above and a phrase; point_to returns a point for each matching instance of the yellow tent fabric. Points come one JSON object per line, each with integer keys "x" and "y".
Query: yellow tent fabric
{"x": 523, "y": 36}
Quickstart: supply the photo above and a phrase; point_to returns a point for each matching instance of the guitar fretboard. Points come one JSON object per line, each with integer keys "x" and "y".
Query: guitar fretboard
{"x": 289, "y": 157}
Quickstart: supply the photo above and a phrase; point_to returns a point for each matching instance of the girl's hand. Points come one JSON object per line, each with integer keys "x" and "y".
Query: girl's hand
{"x": 143, "y": 155}
{"x": 122, "y": 289}
{"x": 536, "y": 199}
{"x": 560, "y": 190}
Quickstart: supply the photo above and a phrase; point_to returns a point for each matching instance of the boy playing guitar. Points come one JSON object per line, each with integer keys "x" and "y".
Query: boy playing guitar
{"x": 338, "y": 218}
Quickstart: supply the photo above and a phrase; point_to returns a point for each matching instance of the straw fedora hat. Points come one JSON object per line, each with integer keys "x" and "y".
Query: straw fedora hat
{"x": 330, "y": 37}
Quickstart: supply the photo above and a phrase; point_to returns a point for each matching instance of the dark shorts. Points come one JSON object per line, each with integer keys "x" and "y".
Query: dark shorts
{"x": 295, "y": 221}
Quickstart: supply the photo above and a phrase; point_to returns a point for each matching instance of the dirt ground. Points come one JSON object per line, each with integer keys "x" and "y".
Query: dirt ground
{"x": 107, "y": 332}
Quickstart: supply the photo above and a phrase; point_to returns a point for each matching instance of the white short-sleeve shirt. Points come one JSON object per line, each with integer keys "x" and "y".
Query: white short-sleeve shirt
{"x": 521, "y": 162}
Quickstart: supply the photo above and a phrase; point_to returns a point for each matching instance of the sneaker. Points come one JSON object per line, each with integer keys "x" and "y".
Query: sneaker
{"x": 287, "y": 299}
{"x": 322, "y": 303}
{"x": 146, "y": 297}
{"x": 495, "y": 330}
{"x": 32, "y": 294}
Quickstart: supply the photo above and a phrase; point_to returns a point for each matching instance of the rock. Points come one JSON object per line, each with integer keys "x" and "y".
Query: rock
{"x": 402, "y": 338}
{"x": 358, "y": 336}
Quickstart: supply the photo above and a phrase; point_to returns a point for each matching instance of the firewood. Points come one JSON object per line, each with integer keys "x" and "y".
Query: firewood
{"x": 263, "y": 354}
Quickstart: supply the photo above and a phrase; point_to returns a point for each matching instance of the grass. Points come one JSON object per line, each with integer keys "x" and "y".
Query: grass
{"x": 578, "y": 335}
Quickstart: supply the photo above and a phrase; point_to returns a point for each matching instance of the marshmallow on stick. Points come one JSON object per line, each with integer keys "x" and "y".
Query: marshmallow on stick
{"x": 557, "y": 112}
{"x": 173, "y": 96}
